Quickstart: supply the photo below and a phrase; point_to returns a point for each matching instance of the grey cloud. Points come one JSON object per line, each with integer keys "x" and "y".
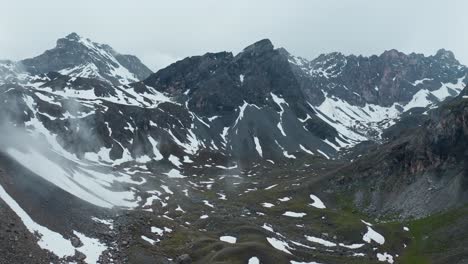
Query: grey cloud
{"x": 160, "y": 32}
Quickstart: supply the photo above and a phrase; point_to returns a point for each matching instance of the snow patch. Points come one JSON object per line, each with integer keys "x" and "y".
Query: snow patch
{"x": 373, "y": 235}
{"x": 294, "y": 214}
{"x": 317, "y": 202}
{"x": 385, "y": 257}
{"x": 49, "y": 240}
{"x": 320, "y": 241}
{"x": 228, "y": 239}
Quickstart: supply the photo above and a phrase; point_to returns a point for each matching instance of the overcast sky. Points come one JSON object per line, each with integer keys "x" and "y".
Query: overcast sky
{"x": 160, "y": 32}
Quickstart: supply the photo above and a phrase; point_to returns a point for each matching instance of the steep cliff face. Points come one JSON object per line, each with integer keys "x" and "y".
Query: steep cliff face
{"x": 392, "y": 77}
{"x": 229, "y": 158}
{"x": 421, "y": 171}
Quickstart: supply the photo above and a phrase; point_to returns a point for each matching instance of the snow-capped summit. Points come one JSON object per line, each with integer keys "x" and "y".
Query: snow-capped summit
{"x": 77, "y": 56}
{"x": 261, "y": 104}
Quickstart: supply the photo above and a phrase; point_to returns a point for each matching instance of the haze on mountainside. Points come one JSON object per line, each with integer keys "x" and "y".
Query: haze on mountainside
{"x": 256, "y": 156}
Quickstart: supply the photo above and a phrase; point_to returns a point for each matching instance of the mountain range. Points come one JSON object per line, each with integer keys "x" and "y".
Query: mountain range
{"x": 215, "y": 149}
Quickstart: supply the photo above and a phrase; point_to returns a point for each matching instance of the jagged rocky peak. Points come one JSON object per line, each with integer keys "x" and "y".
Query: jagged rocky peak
{"x": 392, "y": 77}
{"x": 221, "y": 82}
{"x": 393, "y": 54}
{"x": 259, "y": 47}
{"x": 447, "y": 55}
{"x": 185, "y": 75}
{"x": 80, "y": 57}
{"x": 72, "y": 37}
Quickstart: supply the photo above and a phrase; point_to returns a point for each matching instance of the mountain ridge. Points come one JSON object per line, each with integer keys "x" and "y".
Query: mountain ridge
{"x": 222, "y": 157}
{"x": 77, "y": 56}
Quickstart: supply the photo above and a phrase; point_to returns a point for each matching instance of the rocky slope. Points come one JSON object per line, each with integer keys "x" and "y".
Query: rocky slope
{"x": 79, "y": 57}
{"x": 224, "y": 158}
{"x": 420, "y": 171}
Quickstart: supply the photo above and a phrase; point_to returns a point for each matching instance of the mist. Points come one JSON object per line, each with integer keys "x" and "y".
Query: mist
{"x": 161, "y": 32}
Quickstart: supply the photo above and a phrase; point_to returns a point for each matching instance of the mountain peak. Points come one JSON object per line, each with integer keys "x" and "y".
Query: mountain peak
{"x": 77, "y": 56}
{"x": 73, "y": 41}
{"x": 393, "y": 53}
{"x": 445, "y": 54}
{"x": 73, "y": 36}
{"x": 260, "y": 46}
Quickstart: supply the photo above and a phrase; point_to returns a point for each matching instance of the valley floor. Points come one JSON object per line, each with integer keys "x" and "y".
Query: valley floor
{"x": 274, "y": 214}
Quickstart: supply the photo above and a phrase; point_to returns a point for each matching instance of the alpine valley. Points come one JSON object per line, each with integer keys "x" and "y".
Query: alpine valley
{"x": 255, "y": 157}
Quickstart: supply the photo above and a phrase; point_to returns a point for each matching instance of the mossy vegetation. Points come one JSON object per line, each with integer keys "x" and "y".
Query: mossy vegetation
{"x": 433, "y": 237}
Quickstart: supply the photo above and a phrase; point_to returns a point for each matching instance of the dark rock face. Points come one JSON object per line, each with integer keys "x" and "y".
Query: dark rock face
{"x": 221, "y": 82}
{"x": 77, "y": 56}
{"x": 422, "y": 171}
{"x": 392, "y": 77}
{"x": 218, "y": 128}
{"x": 134, "y": 65}
{"x": 262, "y": 103}
{"x": 184, "y": 259}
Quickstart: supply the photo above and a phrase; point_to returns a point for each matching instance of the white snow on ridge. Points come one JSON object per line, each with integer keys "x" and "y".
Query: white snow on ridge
{"x": 351, "y": 121}
{"x": 323, "y": 154}
{"x": 306, "y": 150}
{"x": 417, "y": 82}
{"x": 207, "y": 203}
{"x": 109, "y": 223}
{"x": 279, "y": 101}
{"x": 49, "y": 240}
{"x": 278, "y": 244}
{"x": 258, "y": 147}
{"x": 53, "y": 241}
{"x": 343, "y": 116}
{"x": 331, "y": 144}
{"x": 174, "y": 173}
{"x": 321, "y": 241}
{"x": 224, "y": 135}
{"x": 241, "y": 113}
{"x": 92, "y": 248}
{"x": 175, "y": 160}
{"x": 421, "y": 98}
{"x": 154, "y": 143}
{"x": 352, "y": 246}
{"x": 96, "y": 50}
{"x": 123, "y": 95}
{"x": 285, "y": 152}
{"x": 149, "y": 240}
{"x": 193, "y": 144}
{"x": 166, "y": 189}
{"x": 97, "y": 184}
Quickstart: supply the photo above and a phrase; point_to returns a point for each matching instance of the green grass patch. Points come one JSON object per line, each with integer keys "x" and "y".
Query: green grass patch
{"x": 425, "y": 243}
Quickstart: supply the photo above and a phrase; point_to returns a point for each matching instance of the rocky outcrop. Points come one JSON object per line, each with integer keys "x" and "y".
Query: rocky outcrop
{"x": 421, "y": 171}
